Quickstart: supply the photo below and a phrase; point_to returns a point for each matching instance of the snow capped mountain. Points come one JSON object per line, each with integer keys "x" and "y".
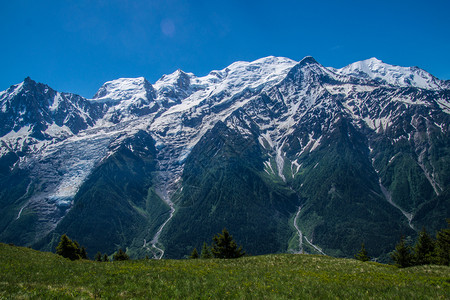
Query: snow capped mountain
{"x": 375, "y": 69}
{"x": 33, "y": 113}
{"x": 293, "y": 122}
{"x": 36, "y": 104}
{"x": 212, "y": 98}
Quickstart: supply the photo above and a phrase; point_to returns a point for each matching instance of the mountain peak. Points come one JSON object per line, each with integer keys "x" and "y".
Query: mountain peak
{"x": 308, "y": 60}
{"x": 374, "y": 60}
{"x": 377, "y": 70}
{"x": 28, "y": 82}
{"x": 124, "y": 89}
{"x": 178, "y": 78}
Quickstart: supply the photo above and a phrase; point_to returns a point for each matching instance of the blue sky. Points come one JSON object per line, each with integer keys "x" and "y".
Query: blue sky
{"x": 75, "y": 46}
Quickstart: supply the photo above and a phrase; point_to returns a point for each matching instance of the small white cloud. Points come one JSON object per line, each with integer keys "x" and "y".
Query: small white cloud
{"x": 168, "y": 27}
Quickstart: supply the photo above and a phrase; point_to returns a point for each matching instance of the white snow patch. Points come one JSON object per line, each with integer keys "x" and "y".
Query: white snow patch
{"x": 280, "y": 162}
{"x": 316, "y": 144}
{"x": 347, "y": 88}
{"x": 56, "y": 100}
{"x": 444, "y": 105}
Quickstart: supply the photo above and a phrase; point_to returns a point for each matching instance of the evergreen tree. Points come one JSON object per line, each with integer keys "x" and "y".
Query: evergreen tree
{"x": 442, "y": 249}
{"x": 362, "y": 255}
{"x": 206, "y": 252}
{"x": 225, "y": 247}
{"x": 120, "y": 255}
{"x": 402, "y": 255}
{"x": 424, "y": 249}
{"x": 98, "y": 256}
{"x": 194, "y": 254}
{"x": 77, "y": 246}
{"x": 83, "y": 253}
{"x": 68, "y": 249}
{"x": 105, "y": 258}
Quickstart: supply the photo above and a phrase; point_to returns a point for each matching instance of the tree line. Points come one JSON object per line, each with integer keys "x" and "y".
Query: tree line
{"x": 72, "y": 250}
{"x": 425, "y": 251}
{"x": 223, "y": 246}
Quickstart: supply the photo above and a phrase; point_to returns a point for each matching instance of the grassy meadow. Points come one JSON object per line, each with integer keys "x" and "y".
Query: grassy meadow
{"x": 29, "y": 274}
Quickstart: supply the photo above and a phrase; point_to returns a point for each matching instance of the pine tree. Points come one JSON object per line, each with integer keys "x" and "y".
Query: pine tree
{"x": 225, "y": 247}
{"x": 443, "y": 246}
{"x": 98, "y": 256}
{"x": 402, "y": 255}
{"x": 83, "y": 253}
{"x": 194, "y": 254}
{"x": 206, "y": 252}
{"x": 105, "y": 258}
{"x": 120, "y": 255}
{"x": 362, "y": 255}
{"x": 424, "y": 249}
{"x": 67, "y": 248}
{"x": 77, "y": 246}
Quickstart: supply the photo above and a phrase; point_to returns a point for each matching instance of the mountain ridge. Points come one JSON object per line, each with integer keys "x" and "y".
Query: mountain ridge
{"x": 385, "y": 137}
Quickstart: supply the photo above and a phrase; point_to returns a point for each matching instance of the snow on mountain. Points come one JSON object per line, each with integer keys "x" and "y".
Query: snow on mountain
{"x": 375, "y": 69}
{"x": 125, "y": 89}
{"x": 212, "y": 98}
{"x": 46, "y": 113}
{"x": 276, "y": 93}
{"x": 173, "y": 88}
{"x": 252, "y": 75}
{"x": 127, "y": 98}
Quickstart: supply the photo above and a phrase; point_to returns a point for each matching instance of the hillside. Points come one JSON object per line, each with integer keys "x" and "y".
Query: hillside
{"x": 28, "y": 273}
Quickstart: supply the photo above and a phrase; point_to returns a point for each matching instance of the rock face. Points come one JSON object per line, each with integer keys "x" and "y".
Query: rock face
{"x": 289, "y": 156}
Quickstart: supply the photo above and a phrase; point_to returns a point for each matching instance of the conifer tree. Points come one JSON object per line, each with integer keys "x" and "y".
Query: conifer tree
{"x": 424, "y": 249}
{"x": 225, "y": 247}
{"x": 402, "y": 254}
{"x": 362, "y": 255}
{"x": 67, "y": 248}
{"x": 77, "y": 246}
{"x": 83, "y": 253}
{"x": 194, "y": 254}
{"x": 443, "y": 246}
{"x": 98, "y": 256}
{"x": 206, "y": 252}
{"x": 120, "y": 255}
{"x": 105, "y": 258}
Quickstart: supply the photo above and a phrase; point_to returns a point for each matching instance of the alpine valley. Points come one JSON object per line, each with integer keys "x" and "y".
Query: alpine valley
{"x": 288, "y": 156}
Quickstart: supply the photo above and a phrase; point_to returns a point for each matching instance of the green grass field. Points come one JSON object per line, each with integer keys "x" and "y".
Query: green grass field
{"x": 25, "y": 274}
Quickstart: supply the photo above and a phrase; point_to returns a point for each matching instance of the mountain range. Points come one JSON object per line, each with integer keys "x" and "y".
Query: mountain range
{"x": 288, "y": 156}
